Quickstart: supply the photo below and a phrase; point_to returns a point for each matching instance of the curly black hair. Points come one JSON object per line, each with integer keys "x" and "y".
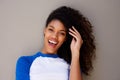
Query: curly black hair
{"x": 71, "y": 17}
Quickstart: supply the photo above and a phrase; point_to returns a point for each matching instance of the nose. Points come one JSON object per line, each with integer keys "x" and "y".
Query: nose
{"x": 54, "y": 35}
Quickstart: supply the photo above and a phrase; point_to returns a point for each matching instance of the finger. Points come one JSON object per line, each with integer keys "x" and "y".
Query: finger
{"x": 73, "y": 35}
{"x": 72, "y": 31}
{"x": 75, "y": 30}
{"x": 76, "y": 39}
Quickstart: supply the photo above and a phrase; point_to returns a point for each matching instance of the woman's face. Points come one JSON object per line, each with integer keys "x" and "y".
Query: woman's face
{"x": 54, "y": 36}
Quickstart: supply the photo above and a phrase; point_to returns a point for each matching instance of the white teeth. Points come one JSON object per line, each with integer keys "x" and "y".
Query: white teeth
{"x": 53, "y": 42}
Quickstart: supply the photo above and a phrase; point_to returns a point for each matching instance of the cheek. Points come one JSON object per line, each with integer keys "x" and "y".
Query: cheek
{"x": 46, "y": 34}
{"x": 62, "y": 39}
{"x": 46, "y": 37}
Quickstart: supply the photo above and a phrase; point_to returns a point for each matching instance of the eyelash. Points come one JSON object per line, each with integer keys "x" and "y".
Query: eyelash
{"x": 61, "y": 33}
{"x": 50, "y": 29}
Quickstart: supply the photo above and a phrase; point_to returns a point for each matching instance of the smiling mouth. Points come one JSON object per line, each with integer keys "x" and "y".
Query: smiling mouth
{"x": 52, "y": 42}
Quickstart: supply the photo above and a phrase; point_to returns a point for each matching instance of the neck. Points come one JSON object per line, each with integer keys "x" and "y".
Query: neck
{"x": 45, "y": 51}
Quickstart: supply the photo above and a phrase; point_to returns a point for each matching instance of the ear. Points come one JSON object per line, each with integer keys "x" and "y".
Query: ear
{"x": 44, "y": 31}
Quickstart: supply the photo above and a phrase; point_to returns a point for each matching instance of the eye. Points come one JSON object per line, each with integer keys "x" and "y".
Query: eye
{"x": 51, "y": 30}
{"x": 62, "y": 33}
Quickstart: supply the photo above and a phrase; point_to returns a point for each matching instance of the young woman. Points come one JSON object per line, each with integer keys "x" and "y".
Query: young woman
{"x": 67, "y": 51}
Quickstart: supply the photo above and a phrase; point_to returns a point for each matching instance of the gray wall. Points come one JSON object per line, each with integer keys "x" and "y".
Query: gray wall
{"x": 21, "y": 32}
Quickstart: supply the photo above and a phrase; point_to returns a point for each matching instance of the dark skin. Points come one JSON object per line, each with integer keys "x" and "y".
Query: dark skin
{"x": 55, "y": 32}
{"x": 75, "y": 46}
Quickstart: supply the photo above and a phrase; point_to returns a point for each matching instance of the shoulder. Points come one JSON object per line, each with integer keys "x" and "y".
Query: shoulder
{"x": 24, "y": 59}
{"x": 23, "y": 66}
{"x": 27, "y": 60}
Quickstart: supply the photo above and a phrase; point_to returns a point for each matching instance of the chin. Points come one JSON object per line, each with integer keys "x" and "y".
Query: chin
{"x": 51, "y": 52}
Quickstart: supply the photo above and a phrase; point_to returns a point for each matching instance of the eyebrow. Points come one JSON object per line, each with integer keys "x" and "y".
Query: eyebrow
{"x": 51, "y": 26}
{"x": 54, "y": 27}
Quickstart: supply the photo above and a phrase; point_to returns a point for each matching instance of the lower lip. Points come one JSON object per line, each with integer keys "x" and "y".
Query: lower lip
{"x": 52, "y": 45}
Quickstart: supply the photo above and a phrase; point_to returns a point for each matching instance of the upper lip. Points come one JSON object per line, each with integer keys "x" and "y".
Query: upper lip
{"x": 53, "y": 41}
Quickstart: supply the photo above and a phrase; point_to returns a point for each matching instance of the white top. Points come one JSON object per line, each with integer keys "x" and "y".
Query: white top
{"x": 49, "y": 68}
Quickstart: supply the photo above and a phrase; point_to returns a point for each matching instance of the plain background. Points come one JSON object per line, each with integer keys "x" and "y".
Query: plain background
{"x": 21, "y": 32}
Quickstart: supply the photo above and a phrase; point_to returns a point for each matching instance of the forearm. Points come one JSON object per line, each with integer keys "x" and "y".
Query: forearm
{"x": 75, "y": 72}
{"x": 76, "y": 43}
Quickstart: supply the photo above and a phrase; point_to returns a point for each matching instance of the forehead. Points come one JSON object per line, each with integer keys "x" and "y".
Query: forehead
{"x": 57, "y": 24}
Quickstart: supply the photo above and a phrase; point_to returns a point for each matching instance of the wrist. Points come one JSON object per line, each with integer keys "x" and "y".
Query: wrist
{"x": 75, "y": 60}
{"x": 75, "y": 55}
{"x": 75, "y": 51}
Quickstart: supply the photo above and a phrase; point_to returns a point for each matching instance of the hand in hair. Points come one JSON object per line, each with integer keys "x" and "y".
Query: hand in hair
{"x": 76, "y": 42}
